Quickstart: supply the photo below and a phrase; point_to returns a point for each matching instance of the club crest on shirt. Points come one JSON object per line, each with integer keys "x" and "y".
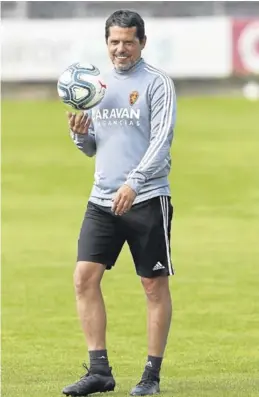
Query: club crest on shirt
{"x": 133, "y": 97}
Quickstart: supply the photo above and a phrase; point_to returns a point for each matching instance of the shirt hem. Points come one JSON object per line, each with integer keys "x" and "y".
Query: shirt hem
{"x": 107, "y": 202}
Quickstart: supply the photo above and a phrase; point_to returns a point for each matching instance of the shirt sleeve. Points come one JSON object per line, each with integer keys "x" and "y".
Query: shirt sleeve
{"x": 163, "y": 115}
{"x": 85, "y": 143}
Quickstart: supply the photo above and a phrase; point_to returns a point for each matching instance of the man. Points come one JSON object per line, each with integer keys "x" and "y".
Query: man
{"x": 130, "y": 132}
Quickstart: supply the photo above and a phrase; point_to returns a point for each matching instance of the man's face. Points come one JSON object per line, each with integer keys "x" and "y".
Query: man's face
{"x": 124, "y": 47}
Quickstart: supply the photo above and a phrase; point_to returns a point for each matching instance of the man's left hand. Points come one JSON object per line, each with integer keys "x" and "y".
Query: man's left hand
{"x": 123, "y": 200}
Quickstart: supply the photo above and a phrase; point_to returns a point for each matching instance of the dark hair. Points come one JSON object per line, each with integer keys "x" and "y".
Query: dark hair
{"x": 126, "y": 19}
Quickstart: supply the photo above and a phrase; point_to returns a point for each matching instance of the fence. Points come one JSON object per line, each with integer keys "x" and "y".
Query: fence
{"x": 159, "y": 9}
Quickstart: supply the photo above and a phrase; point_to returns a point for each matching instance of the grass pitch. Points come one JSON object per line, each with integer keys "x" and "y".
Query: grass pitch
{"x": 213, "y": 344}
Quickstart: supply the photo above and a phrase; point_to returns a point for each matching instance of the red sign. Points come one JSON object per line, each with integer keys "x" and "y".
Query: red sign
{"x": 245, "y": 39}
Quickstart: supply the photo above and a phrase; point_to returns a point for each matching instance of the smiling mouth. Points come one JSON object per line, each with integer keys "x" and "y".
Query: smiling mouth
{"x": 121, "y": 57}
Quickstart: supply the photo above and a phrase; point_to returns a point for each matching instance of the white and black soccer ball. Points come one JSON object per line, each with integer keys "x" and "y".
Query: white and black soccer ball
{"x": 81, "y": 86}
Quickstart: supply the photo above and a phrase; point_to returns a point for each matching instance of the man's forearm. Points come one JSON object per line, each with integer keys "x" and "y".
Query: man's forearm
{"x": 85, "y": 142}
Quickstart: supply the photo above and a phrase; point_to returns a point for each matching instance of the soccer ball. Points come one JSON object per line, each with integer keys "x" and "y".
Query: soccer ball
{"x": 81, "y": 86}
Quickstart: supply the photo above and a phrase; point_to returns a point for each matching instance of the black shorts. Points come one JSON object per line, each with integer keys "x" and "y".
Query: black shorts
{"x": 146, "y": 228}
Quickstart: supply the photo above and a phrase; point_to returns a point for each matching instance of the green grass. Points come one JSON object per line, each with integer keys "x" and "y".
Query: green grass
{"x": 213, "y": 344}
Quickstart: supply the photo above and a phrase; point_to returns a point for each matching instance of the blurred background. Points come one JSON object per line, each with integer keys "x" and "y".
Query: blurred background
{"x": 209, "y": 47}
{"x": 211, "y": 50}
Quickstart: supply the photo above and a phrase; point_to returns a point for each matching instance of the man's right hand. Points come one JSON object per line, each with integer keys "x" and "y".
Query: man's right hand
{"x": 79, "y": 123}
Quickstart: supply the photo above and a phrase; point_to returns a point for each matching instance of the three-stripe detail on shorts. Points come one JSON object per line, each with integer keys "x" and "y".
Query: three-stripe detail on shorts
{"x": 164, "y": 201}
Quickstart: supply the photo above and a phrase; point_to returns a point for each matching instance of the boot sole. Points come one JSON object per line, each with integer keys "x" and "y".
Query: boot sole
{"x": 108, "y": 387}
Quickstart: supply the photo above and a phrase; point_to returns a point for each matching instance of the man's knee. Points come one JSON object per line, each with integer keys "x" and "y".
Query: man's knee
{"x": 156, "y": 288}
{"x": 87, "y": 275}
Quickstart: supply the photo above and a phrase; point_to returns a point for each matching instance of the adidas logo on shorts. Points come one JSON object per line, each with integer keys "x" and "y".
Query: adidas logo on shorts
{"x": 158, "y": 266}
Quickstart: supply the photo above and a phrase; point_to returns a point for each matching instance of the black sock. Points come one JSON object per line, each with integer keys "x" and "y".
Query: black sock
{"x": 98, "y": 359}
{"x": 153, "y": 367}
